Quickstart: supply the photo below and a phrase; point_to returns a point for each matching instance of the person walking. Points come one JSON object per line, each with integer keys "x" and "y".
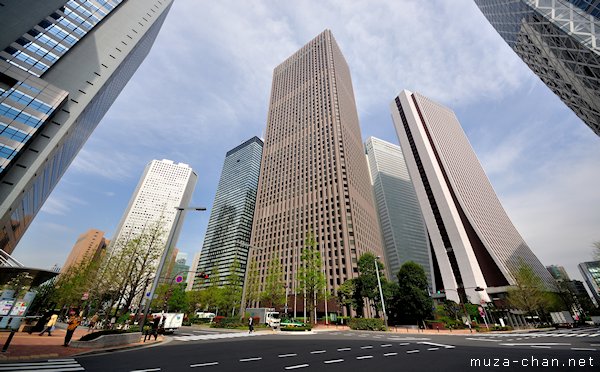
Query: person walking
{"x": 74, "y": 321}
{"x": 250, "y": 324}
{"x": 93, "y": 322}
{"x": 50, "y": 325}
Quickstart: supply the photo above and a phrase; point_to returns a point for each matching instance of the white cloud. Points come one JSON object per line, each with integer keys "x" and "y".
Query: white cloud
{"x": 61, "y": 205}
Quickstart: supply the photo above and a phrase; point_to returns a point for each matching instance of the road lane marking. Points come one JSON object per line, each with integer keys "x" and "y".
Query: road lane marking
{"x": 364, "y": 357}
{"x": 583, "y": 348}
{"x": 433, "y": 348}
{"x": 366, "y": 347}
{"x": 204, "y": 364}
{"x": 147, "y": 370}
{"x": 541, "y": 347}
{"x": 536, "y": 343}
{"x": 344, "y": 349}
{"x": 286, "y": 355}
{"x": 318, "y": 351}
{"x": 482, "y": 339}
{"x": 434, "y": 344}
{"x": 333, "y": 361}
{"x": 297, "y": 366}
{"x": 404, "y": 343}
{"x": 386, "y": 345}
{"x": 250, "y": 359}
{"x": 390, "y": 354}
{"x": 412, "y": 351}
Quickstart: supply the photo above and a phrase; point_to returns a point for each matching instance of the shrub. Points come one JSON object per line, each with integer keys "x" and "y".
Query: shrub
{"x": 200, "y": 320}
{"x": 226, "y": 323}
{"x": 295, "y": 329}
{"x": 367, "y": 324}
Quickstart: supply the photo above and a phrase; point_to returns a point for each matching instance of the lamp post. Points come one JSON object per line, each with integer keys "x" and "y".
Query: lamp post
{"x": 380, "y": 292}
{"x": 163, "y": 257}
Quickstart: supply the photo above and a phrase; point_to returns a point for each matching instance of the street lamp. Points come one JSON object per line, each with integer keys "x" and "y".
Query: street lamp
{"x": 380, "y": 291}
{"x": 164, "y": 255}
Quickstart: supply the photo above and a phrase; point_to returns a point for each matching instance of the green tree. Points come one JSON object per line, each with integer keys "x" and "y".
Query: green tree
{"x": 529, "y": 292}
{"x": 232, "y": 291}
{"x": 369, "y": 287}
{"x": 348, "y": 296}
{"x": 413, "y": 295}
{"x": 273, "y": 294}
{"x": 311, "y": 278}
{"x": 596, "y": 246}
{"x": 252, "y": 284}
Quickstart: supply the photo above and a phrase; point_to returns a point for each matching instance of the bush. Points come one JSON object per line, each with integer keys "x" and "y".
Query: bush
{"x": 367, "y": 324}
{"x": 295, "y": 329}
{"x": 200, "y": 320}
{"x": 226, "y": 323}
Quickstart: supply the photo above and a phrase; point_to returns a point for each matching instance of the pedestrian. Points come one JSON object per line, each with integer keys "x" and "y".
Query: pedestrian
{"x": 50, "y": 325}
{"x": 93, "y": 322}
{"x": 72, "y": 324}
{"x": 155, "y": 324}
{"x": 250, "y": 324}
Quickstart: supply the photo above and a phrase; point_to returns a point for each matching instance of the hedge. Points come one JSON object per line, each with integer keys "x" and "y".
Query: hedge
{"x": 367, "y": 324}
{"x": 295, "y": 329}
{"x": 222, "y": 322}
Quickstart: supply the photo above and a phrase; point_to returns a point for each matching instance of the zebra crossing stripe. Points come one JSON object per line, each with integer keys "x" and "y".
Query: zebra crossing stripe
{"x": 57, "y": 365}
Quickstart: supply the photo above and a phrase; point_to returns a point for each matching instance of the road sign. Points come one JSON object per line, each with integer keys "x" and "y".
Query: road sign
{"x": 179, "y": 279}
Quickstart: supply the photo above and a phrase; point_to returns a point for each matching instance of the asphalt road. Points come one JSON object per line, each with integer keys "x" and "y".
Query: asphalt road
{"x": 353, "y": 350}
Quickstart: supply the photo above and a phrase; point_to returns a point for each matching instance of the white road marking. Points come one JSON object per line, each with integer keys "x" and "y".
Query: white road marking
{"x": 412, "y": 351}
{"x": 204, "y": 364}
{"x": 404, "y": 343}
{"x": 433, "y": 348}
{"x": 286, "y": 355}
{"x": 386, "y": 345}
{"x": 541, "y": 347}
{"x": 364, "y": 357}
{"x": 318, "y": 351}
{"x": 583, "y": 349}
{"x": 344, "y": 349}
{"x": 333, "y": 361}
{"x": 250, "y": 359}
{"x": 297, "y": 366}
{"x": 147, "y": 370}
{"x": 482, "y": 339}
{"x": 366, "y": 347}
{"x": 390, "y": 354}
{"x": 57, "y": 365}
{"x": 434, "y": 344}
{"x": 536, "y": 344}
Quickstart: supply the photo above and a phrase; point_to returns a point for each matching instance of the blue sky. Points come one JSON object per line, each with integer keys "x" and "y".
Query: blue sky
{"x": 205, "y": 88}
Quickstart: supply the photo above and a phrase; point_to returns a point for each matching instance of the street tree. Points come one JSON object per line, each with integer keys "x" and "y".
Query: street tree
{"x": 596, "y": 246}
{"x": 232, "y": 290}
{"x": 369, "y": 287}
{"x": 529, "y": 292}
{"x": 413, "y": 295}
{"x": 311, "y": 277}
{"x": 252, "y": 294}
{"x": 273, "y": 294}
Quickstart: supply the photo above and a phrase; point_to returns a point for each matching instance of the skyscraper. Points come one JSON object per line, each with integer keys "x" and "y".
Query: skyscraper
{"x": 62, "y": 65}
{"x": 560, "y": 41}
{"x": 591, "y": 274}
{"x": 163, "y": 186}
{"x": 402, "y": 226}
{"x": 314, "y": 176}
{"x": 193, "y": 268}
{"x": 230, "y": 224}
{"x": 475, "y": 244}
{"x": 558, "y": 272}
{"x": 89, "y": 246}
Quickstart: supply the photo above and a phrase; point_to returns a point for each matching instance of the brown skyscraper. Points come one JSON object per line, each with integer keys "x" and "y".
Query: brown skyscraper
{"x": 88, "y": 246}
{"x": 314, "y": 175}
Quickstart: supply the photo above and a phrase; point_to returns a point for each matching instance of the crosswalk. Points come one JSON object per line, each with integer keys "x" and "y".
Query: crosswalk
{"x": 577, "y": 333}
{"x": 52, "y": 365}
{"x": 215, "y": 336}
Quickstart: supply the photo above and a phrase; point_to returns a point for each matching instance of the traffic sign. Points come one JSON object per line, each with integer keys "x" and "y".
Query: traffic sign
{"x": 179, "y": 279}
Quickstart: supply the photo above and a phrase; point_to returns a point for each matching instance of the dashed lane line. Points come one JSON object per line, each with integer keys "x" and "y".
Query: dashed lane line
{"x": 433, "y": 348}
{"x": 364, "y": 357}
{"x": 412, "y": 351}
{"x": 541, "y": 347}
{"x": 147, "y": 370}
{"x": 250, "y": 359}
{"x": 389, "y": 354}
{"x": 318, "y": 351}
{"x": 404, "y": 343}
{"x": 286, "y": 355}
{"x": 386, "y": 345}
{"x": 344, "y": 349}
{"x": 297, "y": 366}
{"x": 333, "y": 361}
{"x": 583, "y": 348}
{"x": 204, "y": 364}
{"x": 366, "y": 347}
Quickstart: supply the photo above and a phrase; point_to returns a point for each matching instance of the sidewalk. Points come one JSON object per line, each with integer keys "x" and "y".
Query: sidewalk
{"x": 395, "y": 330}
{"x": 25, "y": 346}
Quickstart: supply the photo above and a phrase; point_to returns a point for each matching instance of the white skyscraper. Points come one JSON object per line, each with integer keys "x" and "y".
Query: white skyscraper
{"x": 402, "y": 227}
{"x": 163, "y": 187}
{"x": 475, "y": 244}
{"x": 193, "y": 269}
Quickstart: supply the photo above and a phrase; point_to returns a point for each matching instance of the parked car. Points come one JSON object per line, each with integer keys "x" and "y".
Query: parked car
{"x": 292, "y": 323}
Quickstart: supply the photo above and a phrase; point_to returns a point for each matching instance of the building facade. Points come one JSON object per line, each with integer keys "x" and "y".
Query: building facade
{"x": 560, "y": 41}
{"x": 62, "y": 65}
{"x": 163, "y": 187}
{"x": 558, "y": 272}
{"x": 475, "y": 245}
{"x": 193, "y": 268}
{"x": 314, "y": 177}
{"x": 591, "y": 274}
{"x": 88, "y": 247}
{"x": 402, "y": 226}
{"x": 230, "y": 224}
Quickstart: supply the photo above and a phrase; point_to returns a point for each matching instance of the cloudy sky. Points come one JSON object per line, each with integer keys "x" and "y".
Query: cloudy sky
{"x": 205, "y": 88}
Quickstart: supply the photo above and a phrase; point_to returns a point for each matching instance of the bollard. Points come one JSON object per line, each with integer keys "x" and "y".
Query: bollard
{"x": 7, "y": 343}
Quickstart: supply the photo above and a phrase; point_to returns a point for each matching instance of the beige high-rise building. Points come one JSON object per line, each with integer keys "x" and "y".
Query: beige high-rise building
{"x": 314, "y": 175}
{"x": 88, "y": 246}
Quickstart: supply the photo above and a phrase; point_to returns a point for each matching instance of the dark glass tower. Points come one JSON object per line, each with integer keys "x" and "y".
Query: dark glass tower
{"x": 560, "y": 41}
{"x": 232, "y": 213}
{"x": 62, "y": 65}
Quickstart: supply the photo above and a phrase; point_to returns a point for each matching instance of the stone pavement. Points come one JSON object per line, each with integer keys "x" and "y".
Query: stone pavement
{"x": 26, "y": 346}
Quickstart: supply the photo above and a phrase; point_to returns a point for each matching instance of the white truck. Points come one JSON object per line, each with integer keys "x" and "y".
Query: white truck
{"x": 562, "y": 319}
{"x": 169, "y": 322}
{"x": 266, "y": 315}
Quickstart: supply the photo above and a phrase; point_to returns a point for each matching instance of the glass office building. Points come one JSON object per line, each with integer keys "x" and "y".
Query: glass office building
{"x": 560, "y": 41}
{"x": 62, "y": 65}
{"x": 230, "y": 225}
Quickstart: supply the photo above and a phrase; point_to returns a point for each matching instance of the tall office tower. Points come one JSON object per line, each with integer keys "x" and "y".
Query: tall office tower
{"x": 62, "y": 65}
{"x": 180, "y": 268}
{"x": 230, "y": 224}
{"x": 402, "y": 226}
{"x": 163, "y": 187}
{"x": 193, "y": 268}
{"x": 560, "y": 41}
{"x": 88, "y": 247}
{"x": 558, "y": 272}
{"x": 591, "y": 274}
{"x": 314, "y": 176}
{"x": 475, "y": 244}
